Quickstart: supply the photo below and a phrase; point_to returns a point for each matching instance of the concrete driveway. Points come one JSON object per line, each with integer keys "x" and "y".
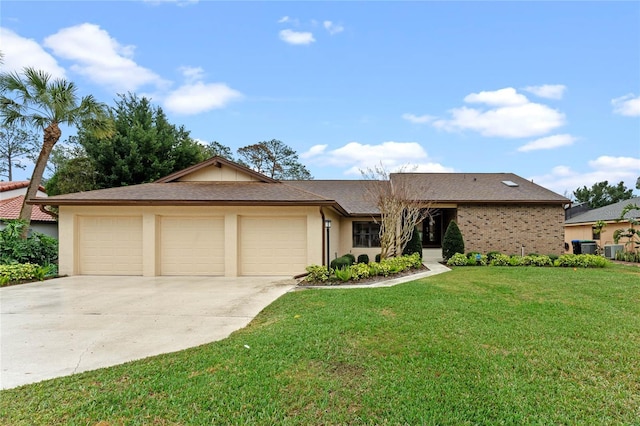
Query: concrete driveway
{"x": 69, "y": 325}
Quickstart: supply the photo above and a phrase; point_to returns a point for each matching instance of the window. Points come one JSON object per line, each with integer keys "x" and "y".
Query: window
{"x": 366, "y": 234}
{"x": 595, "y": 232}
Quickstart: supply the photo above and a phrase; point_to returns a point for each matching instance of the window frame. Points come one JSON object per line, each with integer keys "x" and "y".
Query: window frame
{"x": 365, "y": 234}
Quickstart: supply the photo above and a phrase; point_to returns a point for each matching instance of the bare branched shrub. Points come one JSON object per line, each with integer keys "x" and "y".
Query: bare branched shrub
{"x": 400, "y": 200}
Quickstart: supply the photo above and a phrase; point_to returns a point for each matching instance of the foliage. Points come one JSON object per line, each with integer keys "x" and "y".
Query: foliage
{"x": 20, "y": 272}
{"x": 76, "y": 175}
{"x": 15, "y": 145}
{"x": 536, "y": 260}
{"x": 38, "y": 248}
{"x": 632, "y": 234}
{"x": 363, "y": 258}
{"x": 274, "y": 159}
{"x": 581, "y": 261}
{"x": 628, "y": 256}
{"x": 452, "y": 242}
{"x": 415, "y": 243}
{"x": 499, "y": 259}
{"x": 343, "y": 274}
{"x": 341, "y": 262}
{"x": 359, "y": 271}
{"x": 492, "y": 255}
{"x": 143, "y": 148}
{"x": 401, "y": 204}
{"x": 602, "y": 194}
{"x": 35, "y": 99}
{"x": 317, "y": 273}
{"x": 351, "y": 257}
{"x": 216, "y": 149}
{"x": 458, "y": 259}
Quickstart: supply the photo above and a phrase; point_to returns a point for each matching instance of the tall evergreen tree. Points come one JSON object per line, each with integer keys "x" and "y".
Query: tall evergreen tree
{"x": 143, "y": 148}
{"x": 452, "y": 242}
{"x": 602, "y": 194}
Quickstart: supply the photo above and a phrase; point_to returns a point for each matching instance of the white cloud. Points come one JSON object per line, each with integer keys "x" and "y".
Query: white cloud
{"x": 549, "y": 142}
{"x": 296, "y": 37}
{"x": 512, "y": 116}
{"x": 284, "y": 20}
{"x": 196, "y": 96}
{"x": 354, "y": 157}
{"x": 314, "y": 151}
{"x": 100, "y": 58}
{"x": 502, "y": 97}
{"x": 563, "y": 179}
{"x": 418, "y": 119}
{"x": 549, "y": 91}
{"x": 332, "y": 28}
{"x": 20, "y": 52}
{"x": 628, "y": 105}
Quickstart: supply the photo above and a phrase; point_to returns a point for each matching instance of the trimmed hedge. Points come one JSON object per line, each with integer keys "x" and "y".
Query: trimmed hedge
{"x": 498, "y": 259}
{"x": 19, "y": 272}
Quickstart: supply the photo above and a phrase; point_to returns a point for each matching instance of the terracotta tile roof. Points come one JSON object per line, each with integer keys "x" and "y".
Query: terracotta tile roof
{"x": 10, "y": 209}
{"x": 193, "y": 193}
{"x": 16, "y": 184}
{"x": 479, "y": 188}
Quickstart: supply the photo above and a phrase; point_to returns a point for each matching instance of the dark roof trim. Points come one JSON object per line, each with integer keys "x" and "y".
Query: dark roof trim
{"x": 217, "y": 162}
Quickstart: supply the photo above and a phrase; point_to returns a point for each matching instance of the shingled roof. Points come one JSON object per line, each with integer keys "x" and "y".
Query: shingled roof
{"x": 349, "y": 197}
{"x": 607, "y": 213}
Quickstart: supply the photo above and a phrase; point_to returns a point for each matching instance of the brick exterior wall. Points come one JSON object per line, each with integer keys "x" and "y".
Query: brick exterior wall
{"x": 507, "y": 227}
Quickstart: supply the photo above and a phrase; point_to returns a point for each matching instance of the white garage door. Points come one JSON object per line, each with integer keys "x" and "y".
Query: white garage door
{"x": 191, "y": 246}
{"x": 272, "y": 245}
{"x": 110, "y": 245}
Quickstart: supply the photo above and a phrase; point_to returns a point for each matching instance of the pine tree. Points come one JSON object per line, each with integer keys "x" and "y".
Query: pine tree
{"x": 415, "y": 243}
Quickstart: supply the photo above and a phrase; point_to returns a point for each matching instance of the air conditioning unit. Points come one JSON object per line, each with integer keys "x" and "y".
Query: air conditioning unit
{"x": 611, "y": 250}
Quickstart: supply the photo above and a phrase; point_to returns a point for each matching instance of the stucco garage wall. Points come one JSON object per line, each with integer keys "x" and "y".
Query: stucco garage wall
{"x": 506, "y": 228}
{"x": 152, "y": 216}
{"x": 585, "y": 232}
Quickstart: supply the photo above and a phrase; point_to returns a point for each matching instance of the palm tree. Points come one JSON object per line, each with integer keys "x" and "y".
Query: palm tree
{"x": 35, "y": 99}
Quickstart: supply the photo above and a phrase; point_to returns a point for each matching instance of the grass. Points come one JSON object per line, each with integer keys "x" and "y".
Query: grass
{"x": 473, "y": 346}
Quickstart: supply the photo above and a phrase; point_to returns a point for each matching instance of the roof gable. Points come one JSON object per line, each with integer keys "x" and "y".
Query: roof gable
{"x": 216, "y": 169}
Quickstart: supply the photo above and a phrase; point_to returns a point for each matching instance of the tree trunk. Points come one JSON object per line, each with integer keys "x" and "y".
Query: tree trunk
{"x": 52, "y": 134}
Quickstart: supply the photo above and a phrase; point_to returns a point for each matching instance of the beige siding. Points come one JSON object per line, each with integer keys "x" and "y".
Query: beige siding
{"x": 272, "y": 245}
{"x": 217, "y": 174}
{"x": 191, "y": 245}
{"x": 585, "y": 232}
{"x": 511, "y": 228}
{"x": 304, "y": 246}
{"x": 110, "y": 245}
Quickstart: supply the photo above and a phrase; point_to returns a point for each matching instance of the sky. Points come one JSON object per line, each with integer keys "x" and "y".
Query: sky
{"x": 549, "y": 91}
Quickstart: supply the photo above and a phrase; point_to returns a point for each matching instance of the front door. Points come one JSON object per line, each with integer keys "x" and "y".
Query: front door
{"x": 432, "y": 230}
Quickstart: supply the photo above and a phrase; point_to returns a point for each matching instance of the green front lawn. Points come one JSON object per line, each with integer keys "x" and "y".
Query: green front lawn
{"x": 473, "y": 346}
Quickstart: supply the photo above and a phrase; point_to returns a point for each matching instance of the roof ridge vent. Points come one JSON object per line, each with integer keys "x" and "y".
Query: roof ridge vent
{"x": 510, "y": 183}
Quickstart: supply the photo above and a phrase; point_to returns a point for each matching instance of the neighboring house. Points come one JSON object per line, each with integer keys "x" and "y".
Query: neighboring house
{"x": 583, "y": 226}
{"x": 221, "y": 218}
{"x": 11, "y": 199}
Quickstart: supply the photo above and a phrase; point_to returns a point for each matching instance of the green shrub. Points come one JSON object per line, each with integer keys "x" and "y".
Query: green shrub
{"x": 379, "y": 269}
{"x": 500, "y": 259}
{"x": 536, "y": 260}
{"x": 628, "y": 256}
{"x": 343, "y": 274}
{"x": 317, "y": 273}
{"x": 351, "y": 257}
{"x": 38, "y": 248}
{"x": 340, "y": 262}
{"x": 492, "y": 255}
{"x": 458, "y": 259}
{"x": 415, "y": 244}
{"x": 363, "y": 258}
{"x": 453, "y": 242}
{"x": 17, "y": 272}
{"x": 359, "y": 271}
{"x": 515, "y": 260}
{"x": 581, "y": 261}
{"x": 553, "y": 257}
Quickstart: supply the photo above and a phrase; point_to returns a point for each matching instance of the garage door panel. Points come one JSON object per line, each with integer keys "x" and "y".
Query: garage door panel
{"x": 110, "y": 245}
{"x": 191, "y": 245}
{"x": 272, "y": 245}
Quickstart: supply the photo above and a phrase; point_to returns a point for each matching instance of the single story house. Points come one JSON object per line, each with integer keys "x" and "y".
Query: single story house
{"x": 221, "y": 218}
{"x": 583, "y": 226}
{"x": 11, "y": 199}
